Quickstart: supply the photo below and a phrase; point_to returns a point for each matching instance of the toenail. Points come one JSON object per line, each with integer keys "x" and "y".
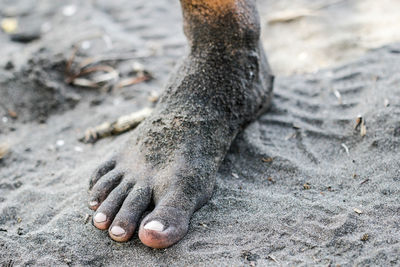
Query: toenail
{"x": 116, "y": 230}
{"x": 155, "y": 226}
{"x": 100, "y": 217}
{"x": 93, "y": 203}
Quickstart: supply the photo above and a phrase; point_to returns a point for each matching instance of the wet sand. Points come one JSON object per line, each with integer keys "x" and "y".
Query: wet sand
{"x": 300, "y": 186}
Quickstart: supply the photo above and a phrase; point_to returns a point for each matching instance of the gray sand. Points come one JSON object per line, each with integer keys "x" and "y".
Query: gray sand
{"x": 312, "y": 204}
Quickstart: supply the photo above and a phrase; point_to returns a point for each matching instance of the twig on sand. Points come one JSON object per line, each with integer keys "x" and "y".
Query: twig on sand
{"x": 338, "y": 96}
{"x": 108, "y": 76}
{"x": 121, "y": 125}
{"x": 358, "y": 211}
{"x": 346, "y": 149}
{"x": 268, "y": 160}
{"x": 116, "y": 57}
{"x": 87, "y": 218}
{"x": 273, "y": 259}
{"x": 289, "y": 16}
{"x": 133, "y": 80}
{"x": 296, "y": 14}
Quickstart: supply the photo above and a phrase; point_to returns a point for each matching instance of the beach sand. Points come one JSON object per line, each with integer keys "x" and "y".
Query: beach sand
{"x": 300, "y": 186}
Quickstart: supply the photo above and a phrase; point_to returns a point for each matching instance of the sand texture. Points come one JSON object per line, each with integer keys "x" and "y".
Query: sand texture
{"x": 300, "y": 186}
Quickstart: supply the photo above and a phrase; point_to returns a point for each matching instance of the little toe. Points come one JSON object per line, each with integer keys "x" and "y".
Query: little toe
{"x": 110, "y": 206}
{"x": 103, "y": 187}
{"x": 167, "y": 224}
{"x": 125, "y": 222}
{"x": 101, "y": 171}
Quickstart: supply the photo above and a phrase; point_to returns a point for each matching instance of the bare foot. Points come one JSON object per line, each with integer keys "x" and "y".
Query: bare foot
{"x": 171, "y": 159}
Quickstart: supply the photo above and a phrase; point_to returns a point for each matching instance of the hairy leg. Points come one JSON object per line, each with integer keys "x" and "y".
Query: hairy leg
{"x": 172, "y": 157}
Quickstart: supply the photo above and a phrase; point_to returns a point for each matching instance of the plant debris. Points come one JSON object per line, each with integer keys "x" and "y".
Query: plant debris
{"x": 358, "y": 211}
{"x": 12, "y": 114}
{"x": 94, "y": 72}
{"x": 121, "y": 125}
{"x": 142, "y": 77}
{"x": 203, "y": 224}
{"x": 287, "y": 16}
{"x": 268, "y": 160}
{"x": 346, "y": 149}
{"x": 363, "y": 182}
{"x": 365, "y": 237}
{"x": 338, "y": 96}
{"x": 87, "y": 218}
{"x": 109, "y": 74}
{"x": 360, "y": 124}
{"x": 273, "y": 259}
{"x": 4, "y": 149}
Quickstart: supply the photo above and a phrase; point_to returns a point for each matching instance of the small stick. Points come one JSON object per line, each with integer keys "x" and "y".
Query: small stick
{"x": 132, "y": 81}
{"x": 116, "y": 57}
{"x": 358, "y": 211}
{"x": 121, "y": 125}
{"x": 273, "y": 259}
{"x": 292, "y": 15}
{"x": 338, "y": 96}
{"x": 346, "y": 148}
{"x": 111, "y": 73}
{"x": 87, "y": 218}
{"x": 268, "y": 160}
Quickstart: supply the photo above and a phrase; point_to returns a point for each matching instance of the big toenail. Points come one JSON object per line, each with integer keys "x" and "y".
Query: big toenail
{"x": 117, "y": 231}
{"x": 155, "y": 226}
{"x": 100, "y": 217}
{"x": 93, "y": 203}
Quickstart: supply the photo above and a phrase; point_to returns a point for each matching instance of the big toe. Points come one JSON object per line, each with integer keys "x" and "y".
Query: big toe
{"x": 164, "y": 227}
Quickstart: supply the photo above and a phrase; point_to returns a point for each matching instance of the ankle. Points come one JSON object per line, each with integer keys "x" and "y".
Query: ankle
{"x": 221, "y": 23}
